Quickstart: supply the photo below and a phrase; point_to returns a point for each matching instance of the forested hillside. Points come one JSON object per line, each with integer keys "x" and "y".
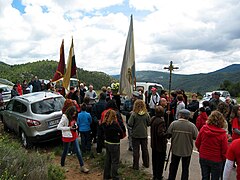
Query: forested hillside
{"x": 45, "y": 69}
{"x": 201, "y": 83}
{"x": 195, "y": 82}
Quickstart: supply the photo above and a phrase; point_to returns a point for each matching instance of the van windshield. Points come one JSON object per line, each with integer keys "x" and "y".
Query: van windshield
{"x": 48, "y": 106}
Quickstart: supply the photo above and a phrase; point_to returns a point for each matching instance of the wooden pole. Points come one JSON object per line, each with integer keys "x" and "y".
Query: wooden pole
{"x": 170, "y": 68}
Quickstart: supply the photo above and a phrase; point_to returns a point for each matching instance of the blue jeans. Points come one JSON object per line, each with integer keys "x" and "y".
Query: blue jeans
{"x": 210, "y": 168}
{"x": 85, "y": 141}
{"x": 77, "y": 150}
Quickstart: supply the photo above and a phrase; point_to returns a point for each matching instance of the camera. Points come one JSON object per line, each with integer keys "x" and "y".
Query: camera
{"x": 74, "y": 127}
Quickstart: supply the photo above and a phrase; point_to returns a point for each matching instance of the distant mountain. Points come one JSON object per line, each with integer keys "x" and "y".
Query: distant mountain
{"x": 232, "y": 68}
{"x": 192, "y": 83}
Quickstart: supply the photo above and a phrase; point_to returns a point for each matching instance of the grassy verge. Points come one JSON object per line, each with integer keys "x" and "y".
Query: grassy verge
{"x": 19, "y": 163}
{"x": 43, "y": 163}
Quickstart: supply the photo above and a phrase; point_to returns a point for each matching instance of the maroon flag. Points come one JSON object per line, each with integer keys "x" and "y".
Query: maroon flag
{"x": 61, "y": 65}
{"x": 74, "y": 67}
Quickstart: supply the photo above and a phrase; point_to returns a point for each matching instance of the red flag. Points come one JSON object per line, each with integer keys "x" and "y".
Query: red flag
{"x": 61, "y": 65}
{"x": 74, "y": 67}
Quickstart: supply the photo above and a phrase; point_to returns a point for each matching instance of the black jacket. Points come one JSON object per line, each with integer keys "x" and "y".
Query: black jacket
{"x": 158, "y": 134}
{"x": 98, "y": 108}
{"x": 113, "y": 132}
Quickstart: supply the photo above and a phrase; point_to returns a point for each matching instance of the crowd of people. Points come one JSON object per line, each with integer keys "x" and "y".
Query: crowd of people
{"x": 214, "y": 126}
{"x": 35, "y": 85}
{"x": 98, "y": 119}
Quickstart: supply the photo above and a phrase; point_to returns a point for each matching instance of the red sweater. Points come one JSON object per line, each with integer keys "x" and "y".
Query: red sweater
{"x": 201, "y": 120}
{"x": 233, "y": 154}
{"x": 235, "y": 125}
{"x": 212, "y": 143}
{"x": 74, "y": 133}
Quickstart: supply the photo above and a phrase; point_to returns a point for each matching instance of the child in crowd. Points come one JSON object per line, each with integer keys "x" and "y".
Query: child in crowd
{"x": 84, "y": 121}
{"x": 113, "y": 133}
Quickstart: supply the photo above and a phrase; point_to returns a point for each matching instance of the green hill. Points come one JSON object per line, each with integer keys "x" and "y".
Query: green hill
{"x": 45, "y": 69}
{"x": 201, "y": 83}
{"x": 192, "y": 83}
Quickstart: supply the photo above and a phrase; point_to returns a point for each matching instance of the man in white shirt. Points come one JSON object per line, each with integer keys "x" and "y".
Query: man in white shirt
{"x": 91, "y": 94}
{"x": 154, "y": 101}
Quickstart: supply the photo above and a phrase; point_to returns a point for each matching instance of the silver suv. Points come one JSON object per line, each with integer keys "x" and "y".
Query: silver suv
{"x": 34, "y": 117}
{"x": 6, "y": 92}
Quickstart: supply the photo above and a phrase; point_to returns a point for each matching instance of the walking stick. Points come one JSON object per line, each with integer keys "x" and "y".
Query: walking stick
{"x": 167, "y": 160}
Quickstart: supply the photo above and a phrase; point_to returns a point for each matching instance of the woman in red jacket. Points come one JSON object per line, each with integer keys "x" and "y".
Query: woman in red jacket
{"x": 235, "y": 120}
{"x": 212, "y": 146}
{"x": 202, "y": 118}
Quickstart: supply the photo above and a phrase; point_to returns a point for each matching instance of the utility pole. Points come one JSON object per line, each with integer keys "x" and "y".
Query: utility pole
{"x": 170, "y": 68}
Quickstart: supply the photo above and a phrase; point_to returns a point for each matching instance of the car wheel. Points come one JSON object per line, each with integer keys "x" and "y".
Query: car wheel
{"x": 5, "y": 128}
{"x": 24, "y": 140}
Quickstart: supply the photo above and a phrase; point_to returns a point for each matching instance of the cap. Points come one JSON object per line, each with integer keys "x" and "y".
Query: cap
{"x": 217, "y": 93}
{"x": 154, "y": 89}
{"x": 135, "y": 93}
{"x": 184, "y": 112}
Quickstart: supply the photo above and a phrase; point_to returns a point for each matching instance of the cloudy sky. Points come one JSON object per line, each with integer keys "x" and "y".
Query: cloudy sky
{"x": 198, "y": 36}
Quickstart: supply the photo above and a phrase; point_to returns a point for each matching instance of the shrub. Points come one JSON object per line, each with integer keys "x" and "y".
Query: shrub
{"x": 55, "y": 172}
{"x": 18, "y": 163}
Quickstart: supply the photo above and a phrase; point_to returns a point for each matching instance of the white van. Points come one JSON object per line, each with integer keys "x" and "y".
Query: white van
{"x": 146, "y": 87}
{"x": 73, "y": 82}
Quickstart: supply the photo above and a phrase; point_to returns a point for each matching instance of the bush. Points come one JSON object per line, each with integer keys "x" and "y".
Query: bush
{"x": 55, "y": 172}
{"x": 18, "y": 163}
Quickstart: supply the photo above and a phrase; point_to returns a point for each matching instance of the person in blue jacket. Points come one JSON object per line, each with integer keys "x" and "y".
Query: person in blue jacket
{"x": 84, "y": 121}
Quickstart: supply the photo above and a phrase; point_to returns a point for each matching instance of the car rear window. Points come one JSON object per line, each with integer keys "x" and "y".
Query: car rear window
{"x": 5, "y": 89}
{"x": 48, "y": 106}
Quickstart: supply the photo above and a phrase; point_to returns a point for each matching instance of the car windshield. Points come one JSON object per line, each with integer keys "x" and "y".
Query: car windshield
{"x": 48, "y": 106}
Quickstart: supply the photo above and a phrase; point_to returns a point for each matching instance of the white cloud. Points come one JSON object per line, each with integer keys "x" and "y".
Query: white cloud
{"x": 198, "y": 36}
